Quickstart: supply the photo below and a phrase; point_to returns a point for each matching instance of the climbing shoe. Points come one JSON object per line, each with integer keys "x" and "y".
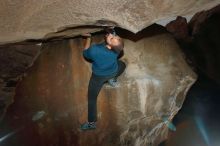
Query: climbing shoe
{"x": 88, "y": 126}
{"x": 113, "y": 82}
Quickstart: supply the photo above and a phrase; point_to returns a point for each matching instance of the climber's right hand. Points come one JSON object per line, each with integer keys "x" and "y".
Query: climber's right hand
{"x": 87, "y": 37}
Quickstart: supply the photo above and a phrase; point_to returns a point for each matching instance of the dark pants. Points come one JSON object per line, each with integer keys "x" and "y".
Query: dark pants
{"x": 95, "y": 85}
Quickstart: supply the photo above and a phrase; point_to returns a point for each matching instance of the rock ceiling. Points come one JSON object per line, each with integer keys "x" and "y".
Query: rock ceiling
{"x": 41, "y": 19}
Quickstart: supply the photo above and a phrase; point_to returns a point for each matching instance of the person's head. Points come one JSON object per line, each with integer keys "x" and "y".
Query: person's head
{"x": 114, "y": 42}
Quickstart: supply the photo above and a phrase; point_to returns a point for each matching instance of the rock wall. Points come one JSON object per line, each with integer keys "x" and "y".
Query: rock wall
{"x": 154, "y": 85}
{"x": 14, "y": 61}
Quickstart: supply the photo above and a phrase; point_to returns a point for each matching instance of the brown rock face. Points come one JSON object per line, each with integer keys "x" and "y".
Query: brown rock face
{"x": 154, "y": 85}
{"x": 29, "y": 19}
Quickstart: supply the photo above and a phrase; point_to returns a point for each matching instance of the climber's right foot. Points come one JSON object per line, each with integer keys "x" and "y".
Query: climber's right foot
{"x": 113, "y": 82}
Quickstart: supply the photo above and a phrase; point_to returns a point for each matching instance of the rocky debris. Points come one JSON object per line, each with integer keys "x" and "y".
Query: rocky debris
{"x": 178, "y": 28}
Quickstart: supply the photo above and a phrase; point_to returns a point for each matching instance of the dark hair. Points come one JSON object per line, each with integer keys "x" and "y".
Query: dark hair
{"x": 110, "y": 31}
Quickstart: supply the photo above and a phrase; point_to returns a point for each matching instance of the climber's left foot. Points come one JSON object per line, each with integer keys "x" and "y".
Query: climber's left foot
{"x": 88, "y": 126}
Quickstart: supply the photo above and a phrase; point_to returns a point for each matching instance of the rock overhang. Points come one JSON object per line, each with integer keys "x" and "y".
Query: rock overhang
{"x": 24, "y": 20}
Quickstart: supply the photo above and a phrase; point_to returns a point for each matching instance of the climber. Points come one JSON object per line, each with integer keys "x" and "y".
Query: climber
{"x": 105, "y": 69}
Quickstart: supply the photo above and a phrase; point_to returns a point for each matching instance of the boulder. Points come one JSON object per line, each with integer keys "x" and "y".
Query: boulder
{"x": 152, "y": 87}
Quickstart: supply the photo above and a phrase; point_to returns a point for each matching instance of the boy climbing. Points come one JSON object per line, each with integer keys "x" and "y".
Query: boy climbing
{"x": 105, "y": 69}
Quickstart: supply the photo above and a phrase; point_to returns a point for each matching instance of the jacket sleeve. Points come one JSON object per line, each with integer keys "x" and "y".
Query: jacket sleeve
{"x": 87, "y": 53}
